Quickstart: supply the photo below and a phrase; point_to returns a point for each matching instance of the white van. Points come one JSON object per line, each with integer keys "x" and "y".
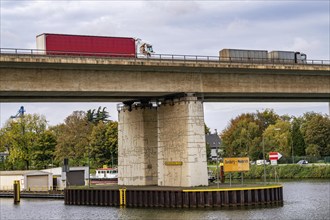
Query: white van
{"x": 261, "y": 162}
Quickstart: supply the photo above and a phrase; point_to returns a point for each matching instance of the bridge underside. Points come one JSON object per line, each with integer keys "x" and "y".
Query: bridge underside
{"x": 90, "y": 96}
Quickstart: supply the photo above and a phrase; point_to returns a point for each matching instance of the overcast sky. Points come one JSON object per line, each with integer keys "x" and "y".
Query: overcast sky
{"x": 174, "y": 27}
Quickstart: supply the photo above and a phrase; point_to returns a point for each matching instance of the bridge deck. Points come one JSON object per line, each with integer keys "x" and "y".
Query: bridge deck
{"x": 60, "y": 78}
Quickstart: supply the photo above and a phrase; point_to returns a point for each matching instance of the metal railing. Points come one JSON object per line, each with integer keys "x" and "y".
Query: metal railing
{"x": 159, "y": 57}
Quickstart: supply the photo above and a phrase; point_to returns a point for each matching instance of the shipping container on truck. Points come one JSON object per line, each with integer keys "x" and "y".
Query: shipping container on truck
{"x": 262, "y": 56}
{"x": 287, "y": 57}
{"x": 83, "y": 45}
{"x": 238, "y": 55}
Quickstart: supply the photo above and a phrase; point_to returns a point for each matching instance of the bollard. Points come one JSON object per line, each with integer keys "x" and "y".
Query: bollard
{"x": 222, "y": 174}
{"x": 125, "y": 197}
{"x": 122, "y": 197}
{"x": 17, "y": 191}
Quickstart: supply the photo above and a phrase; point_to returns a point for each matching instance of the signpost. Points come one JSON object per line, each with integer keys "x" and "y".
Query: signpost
{"x": 236, "y": 164}
{"x": 273, "y": 157}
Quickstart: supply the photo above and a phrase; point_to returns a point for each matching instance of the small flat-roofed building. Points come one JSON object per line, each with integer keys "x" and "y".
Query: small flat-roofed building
{"x": 7, "y": 179}
{"x": 44, "y": 180}
{"x": 38, "y": 181}
{"x": 77, "y": 176}
{"x": 57, "y": 177}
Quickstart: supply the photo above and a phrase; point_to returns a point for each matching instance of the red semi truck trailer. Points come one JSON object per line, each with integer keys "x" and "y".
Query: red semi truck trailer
{"x": 83, "y": 45}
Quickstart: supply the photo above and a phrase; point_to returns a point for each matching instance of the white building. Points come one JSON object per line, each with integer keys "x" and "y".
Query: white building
{"x": 7, "y": 179}
{"x": 44, "y": 180}
{"x": 213, "y": 140}
{"x": 38, "y": 181}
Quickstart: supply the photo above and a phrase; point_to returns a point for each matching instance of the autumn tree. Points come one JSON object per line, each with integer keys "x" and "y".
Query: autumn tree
{"x": 316, "y": 131}
{"x": 277, "y": 138}
{"x": 88, "y": 138}
{"x": 19, "y": 136}
{"x": 73, "y": 139}
{"x": 266, "y": 118}
{"x": 207, "y": 130}
{"x": 104, "y": 143}
{"x": 291, "y": 136}
{"x": 242, "y": 137}
{"x": 44, "y": 150}
{"x": 298, "y": 141}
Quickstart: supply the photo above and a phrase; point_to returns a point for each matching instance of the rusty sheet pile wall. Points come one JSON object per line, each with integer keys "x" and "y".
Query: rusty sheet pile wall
{"x": 270, "y": 195}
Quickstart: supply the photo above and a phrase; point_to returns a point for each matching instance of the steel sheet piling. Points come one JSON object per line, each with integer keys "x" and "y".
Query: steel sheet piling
{"x": 231, "y": 197}
{"x": 186, "y": 200}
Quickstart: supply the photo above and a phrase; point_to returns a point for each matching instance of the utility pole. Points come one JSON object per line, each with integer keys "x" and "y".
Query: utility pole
{"x": 89, "y": 167}
{"x": 263, "y": 152}
{"x": 292, "y": 144}
{"x": 217, "y": 164}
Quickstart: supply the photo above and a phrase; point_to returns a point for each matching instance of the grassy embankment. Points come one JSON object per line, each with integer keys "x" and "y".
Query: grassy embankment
{"x": 289, "y": 171}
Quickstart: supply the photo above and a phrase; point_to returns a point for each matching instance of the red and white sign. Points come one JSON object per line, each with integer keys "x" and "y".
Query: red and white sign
{"x": 274, "y": 155}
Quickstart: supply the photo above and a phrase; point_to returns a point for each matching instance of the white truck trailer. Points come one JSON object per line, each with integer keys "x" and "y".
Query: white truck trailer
{"x": 287, "y": 57}
{"x": 261, "y": 56}
{"x": 238, "y": 55}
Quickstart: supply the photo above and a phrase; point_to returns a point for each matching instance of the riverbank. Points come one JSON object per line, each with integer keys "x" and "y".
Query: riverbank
{"x": 23, "y": 194}
{"x": 285, "y": 171}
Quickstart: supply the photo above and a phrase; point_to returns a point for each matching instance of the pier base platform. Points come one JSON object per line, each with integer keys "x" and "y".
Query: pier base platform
{"x": 175, "y": 197}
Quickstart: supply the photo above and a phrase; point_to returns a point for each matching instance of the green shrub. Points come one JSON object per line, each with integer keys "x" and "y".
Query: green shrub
{"x": 289, "y": 171}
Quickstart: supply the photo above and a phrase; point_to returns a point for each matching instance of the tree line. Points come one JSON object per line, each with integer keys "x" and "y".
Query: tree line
{"x": 84, "y": 138}
{"x": 90, "y": 138}
{"x": 247, "y": 134}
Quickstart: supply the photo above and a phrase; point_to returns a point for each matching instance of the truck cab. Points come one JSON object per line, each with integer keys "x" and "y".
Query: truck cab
{"x": 300, "y": 57}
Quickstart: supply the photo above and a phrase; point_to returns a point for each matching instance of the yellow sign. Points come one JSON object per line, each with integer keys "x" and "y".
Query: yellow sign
{"x": 236, "y": 164}
{"x": 173, "y": 163}
{"x": 105, "y": 166}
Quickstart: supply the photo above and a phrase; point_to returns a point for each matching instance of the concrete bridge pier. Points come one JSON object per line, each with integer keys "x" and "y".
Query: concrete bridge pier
{"x": 137, "y": 146}
{"x": 163, "y": 146}
{"x": 181, "y": 143}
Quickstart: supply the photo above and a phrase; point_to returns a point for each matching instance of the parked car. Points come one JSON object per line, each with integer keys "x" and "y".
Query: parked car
{"x": 211, "y": 176}
{"x": 302, "y": 162}
{"x": 261, "y": 162}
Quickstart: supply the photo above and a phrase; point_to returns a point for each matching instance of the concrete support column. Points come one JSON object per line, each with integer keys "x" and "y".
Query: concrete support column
{"x": 181, "y": 143}
{"x": 137, "y": 146}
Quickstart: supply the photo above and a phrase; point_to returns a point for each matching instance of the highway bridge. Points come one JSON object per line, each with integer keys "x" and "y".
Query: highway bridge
{"x": 161, "y": 139}
{"x": 33, "y": 77}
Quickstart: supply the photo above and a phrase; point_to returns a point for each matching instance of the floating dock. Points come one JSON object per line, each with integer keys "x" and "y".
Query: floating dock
{"x": 176, "y": 198}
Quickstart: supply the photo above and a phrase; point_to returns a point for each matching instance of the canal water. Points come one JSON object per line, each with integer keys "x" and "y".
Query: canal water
{"x": 308, "y": 199}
